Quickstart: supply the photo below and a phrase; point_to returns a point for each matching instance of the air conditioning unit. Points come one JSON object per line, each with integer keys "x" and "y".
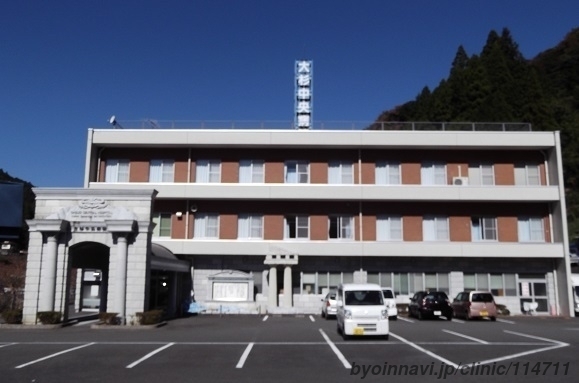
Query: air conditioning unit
{"x": 460, "y": 181}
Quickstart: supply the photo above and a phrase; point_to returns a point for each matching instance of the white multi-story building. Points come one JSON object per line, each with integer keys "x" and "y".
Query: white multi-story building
{"x": 269, "y": 220}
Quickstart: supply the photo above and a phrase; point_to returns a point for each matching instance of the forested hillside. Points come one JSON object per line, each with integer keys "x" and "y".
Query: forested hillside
{"x": 500, "y": 85}
{"x": 29, "y": 204}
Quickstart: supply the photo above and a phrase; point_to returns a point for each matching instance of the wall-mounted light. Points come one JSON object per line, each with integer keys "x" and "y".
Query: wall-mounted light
{"x": 193, "y": 208}
{"x": 179, "y": 214}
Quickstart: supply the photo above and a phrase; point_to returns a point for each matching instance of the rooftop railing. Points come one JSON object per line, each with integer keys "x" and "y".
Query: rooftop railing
{"x": 326, "y": 125}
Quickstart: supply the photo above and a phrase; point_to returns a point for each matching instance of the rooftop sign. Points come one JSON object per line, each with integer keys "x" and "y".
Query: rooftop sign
{"x": 303, "y": 94}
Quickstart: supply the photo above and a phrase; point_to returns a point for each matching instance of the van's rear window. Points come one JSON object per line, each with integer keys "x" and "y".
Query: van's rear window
{"x": 388, "y": 294}
{"x": 364, "y": 298}
{"x": 482, "y": 298}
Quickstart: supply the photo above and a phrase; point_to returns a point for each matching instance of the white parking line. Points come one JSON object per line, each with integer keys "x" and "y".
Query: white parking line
{"x": 244, "y": 356}
{"x": 6, "y": 345}
{"x": 265, "y": 318}
{"x": 312, "y": 318}
{"x": 457, "y": 320}
{"x": 466, "y": 336}
{"x": 336, "y": 351}
{"x": 53, "y": 355}
{"x": 406, "y": 319}
{"x": 557, "y": 344}
{"x": 149, "y": 355}
{"x": 505, "y": 321}
{"x": 435, "y": 356}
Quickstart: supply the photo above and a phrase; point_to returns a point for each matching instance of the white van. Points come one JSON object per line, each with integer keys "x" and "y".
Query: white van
{"x": 361, "y": 310}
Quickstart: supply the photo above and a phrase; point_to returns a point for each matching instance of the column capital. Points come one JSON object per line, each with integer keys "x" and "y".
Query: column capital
{"x": 281, "y": 259}
{"x": 50, "y": 227}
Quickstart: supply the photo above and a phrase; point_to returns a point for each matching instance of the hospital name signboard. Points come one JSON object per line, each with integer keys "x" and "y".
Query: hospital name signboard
{"x": 303, "y": 94}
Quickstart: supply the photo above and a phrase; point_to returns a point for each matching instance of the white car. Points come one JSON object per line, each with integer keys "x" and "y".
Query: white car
{"x": 390, "y": 302}
{"x": 361, "y": 310}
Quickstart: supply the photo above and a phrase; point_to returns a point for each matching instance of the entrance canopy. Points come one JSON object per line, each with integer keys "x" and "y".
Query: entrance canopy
{"x": 163, "y": 259}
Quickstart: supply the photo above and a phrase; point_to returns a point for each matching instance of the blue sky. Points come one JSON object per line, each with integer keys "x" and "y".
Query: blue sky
{"x": 66, "y": 66}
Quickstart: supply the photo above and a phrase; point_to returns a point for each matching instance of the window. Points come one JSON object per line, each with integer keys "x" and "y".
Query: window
{"x": 161, "y": 171}
{"x": 483, "y": 229}
{"x": 433, "y": 173}
{"x": 297, "y": 172}
{"x": 481, "y": 174}
{"x": 208, "y": 171}
{"x": 341, "y": 227}
{"x": 389, "y": 228}
{"x": 250, "y": 226}
{"x": 435, "y": 228}
{"x": 206, "y": 225}
{"x": 387, "y": 173}
{"x": 162, "y": 223}
{"x": 498, "y": 284}
{"x": 340, "y": 172}
{"x": 527, "y": 174}
{"x": 251, "y": 171}
{"x": 297, "y": 227}
{"x": 117, "y": 171}
{"x": 321, "y": 282}
{"x": 531, "y": 229}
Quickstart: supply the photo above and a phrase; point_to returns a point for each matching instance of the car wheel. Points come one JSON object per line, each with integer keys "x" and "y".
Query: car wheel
{"x": 338, "y": 329}
{"x": 449, "y": 317}
{"x": 467, "y": 316}
{"x": 386, "y": 336}
{"x": 323, "y": 314}
{"x": 395, "y": 317}
{"x": 493, "y": 319}
{"x": 327, "y": 317}
{"x": 420, "y": 316}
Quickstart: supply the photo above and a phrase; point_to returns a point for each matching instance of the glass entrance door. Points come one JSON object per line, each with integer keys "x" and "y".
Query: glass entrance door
{"x": 533, "y": 296}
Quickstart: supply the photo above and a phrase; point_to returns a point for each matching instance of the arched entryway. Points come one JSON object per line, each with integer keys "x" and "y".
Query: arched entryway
{"x": 87, "y": 285}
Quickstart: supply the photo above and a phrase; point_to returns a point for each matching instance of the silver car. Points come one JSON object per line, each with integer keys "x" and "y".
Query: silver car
{"x": 329, "y": 307}
{"x": 390, "y": 302}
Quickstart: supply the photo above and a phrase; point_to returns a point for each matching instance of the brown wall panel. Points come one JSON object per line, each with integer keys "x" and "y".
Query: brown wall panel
{"x": 412, "y": 227}
{"x": 273, "y": 226}
{"x": 410, "y": 173}
{"x": 319, "y": 172}
{"x": 507, "y": 229}
{"x": 230, "y": 172}
{"x": 228, "y": 226}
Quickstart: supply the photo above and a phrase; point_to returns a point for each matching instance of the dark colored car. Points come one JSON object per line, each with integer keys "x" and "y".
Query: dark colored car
{"x": 430, "y": 304}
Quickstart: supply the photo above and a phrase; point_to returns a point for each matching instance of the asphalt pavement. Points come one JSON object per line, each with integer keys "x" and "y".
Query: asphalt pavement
{"x": 306, "y": 348}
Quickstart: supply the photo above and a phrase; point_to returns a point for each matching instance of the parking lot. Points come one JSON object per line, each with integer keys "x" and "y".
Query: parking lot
{"x": 211, "y": 348}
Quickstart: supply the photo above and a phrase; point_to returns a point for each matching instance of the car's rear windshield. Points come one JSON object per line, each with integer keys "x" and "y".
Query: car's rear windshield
{"x": 388, "y": 294}
{"x": 482, "y": 297}
{"x": 364, "y": 298}
{"x": 440, "y": 296}
{"x": 332, "y": 296}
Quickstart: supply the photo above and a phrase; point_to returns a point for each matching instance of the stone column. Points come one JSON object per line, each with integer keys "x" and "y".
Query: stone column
{"x": 121, "y": 276}
{"x": 48, "y": 277}
{"x": 274, "y": 260}
{"x": 287, "y": 286}
{"x": 272, "y": 291}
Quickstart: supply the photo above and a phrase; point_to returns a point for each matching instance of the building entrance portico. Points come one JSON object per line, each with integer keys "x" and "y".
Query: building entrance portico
{"x": 77, "y": 232}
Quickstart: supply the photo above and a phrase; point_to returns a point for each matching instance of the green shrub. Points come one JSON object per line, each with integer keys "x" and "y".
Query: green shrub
{"x": 109, "y": 318}
{"x": 12, "y": 316}
{"x": 149, "y": 317}
{"x": 49, "y": 317}
{"x": 503, "y": 310}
